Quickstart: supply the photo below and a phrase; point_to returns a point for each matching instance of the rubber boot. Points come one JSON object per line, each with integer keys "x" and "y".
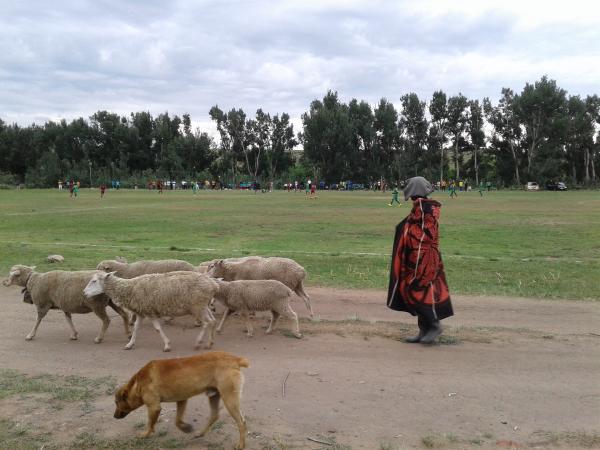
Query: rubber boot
{"x": 433, "y": 331}
{"x": 422, "y": 331}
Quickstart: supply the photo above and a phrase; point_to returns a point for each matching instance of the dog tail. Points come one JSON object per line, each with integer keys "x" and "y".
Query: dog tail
{"x": 243, "y": 362}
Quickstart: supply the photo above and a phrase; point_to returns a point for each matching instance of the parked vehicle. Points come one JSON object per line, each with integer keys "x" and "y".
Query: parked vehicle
{"x": 532, "y": 186}
{"x": 556, "y": 186}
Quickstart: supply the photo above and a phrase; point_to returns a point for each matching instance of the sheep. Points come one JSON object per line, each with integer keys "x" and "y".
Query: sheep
{"x": 256, "y": 295}
{"x": 132, "y": 270}
{"x": 170, "y": 294}
{"x": 125, "y": 270}
{"x": 285, "y": 270}
{"x": 62, "y": 290}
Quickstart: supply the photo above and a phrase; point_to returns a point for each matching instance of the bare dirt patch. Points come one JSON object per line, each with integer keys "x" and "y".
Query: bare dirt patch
{"x": 514, "y": 373}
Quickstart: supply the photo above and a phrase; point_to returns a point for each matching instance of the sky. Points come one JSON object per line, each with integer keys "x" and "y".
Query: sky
{"x": 69, "y": 59}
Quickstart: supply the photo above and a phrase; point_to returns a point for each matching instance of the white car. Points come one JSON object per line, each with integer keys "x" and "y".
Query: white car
{"x": 532, "y": 186}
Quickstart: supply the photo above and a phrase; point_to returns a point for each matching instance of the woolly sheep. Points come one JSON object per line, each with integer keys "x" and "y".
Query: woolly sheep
{"x": 131, "y": 270}
{"x": 62, "y": 290}
{"x": 135, "y": 269}
{"x": 285, "y": 270}
{"x": 170, "y": 294}
{"x": 256, "y": 295}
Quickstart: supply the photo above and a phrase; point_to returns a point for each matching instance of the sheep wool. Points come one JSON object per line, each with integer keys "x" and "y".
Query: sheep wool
{"x": 285, "y": 270}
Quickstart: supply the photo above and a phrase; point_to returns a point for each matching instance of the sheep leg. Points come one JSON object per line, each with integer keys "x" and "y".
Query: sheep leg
{"x": 136, "y": 326}
{"x": 120, "y": 311}
{"x": 74, "y": 334}
{"x": 158, "y": 328}
{"x": 41, "y": 313}
{"x": 273, "y": 322}
{"x": 208, "y": 320}
{"x": 301, "y": 293}
{"x": 290, "y": 314}
{"x": 101, "y": 313}
{"x": 220, "y": 327}
{"x": 249, "y": 327}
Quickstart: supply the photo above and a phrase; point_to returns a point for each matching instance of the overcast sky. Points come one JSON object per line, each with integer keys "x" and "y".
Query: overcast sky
{"x": 66, "y": 59}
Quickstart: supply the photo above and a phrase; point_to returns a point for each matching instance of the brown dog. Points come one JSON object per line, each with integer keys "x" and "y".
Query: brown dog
{"x": 217, "y": 374}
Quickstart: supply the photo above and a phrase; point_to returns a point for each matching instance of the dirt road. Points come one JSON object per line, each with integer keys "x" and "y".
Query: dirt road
{"x": 510, "y": 373}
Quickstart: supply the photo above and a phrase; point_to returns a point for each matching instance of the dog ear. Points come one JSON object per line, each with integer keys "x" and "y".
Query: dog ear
{"x": 122, "y": 394}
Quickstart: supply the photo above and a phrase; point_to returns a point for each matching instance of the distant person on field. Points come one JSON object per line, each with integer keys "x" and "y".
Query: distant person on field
{"x": 76, "y": 189}
{"x": 71, "y": 186}
{"x": 307, "y": 187}
{"x": 481, "y": 188}
{"x": 60, "y": 185}
{"x": 394, "y": 197}
{"x": 489, "y": 185}
{"x": 452, "y": 189}
{"x": 313, "y": 190}
{"x": 102, "y": 190}
{"x": 417, "y": 280}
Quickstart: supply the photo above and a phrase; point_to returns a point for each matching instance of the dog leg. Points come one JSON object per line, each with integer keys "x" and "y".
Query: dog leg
{"x": 231, "y": 398}
{"x": 153, "y": 413}
{"x": 136, "y": 326}
{"x": 158, "y": 328}
{"x": 179, "y": 423}
{"x": 213, "y": 400}
{"x": 41, "y": 313}
{"x": 74, "y": 334}
{"x": 220, "y": 327}
{"x": 101, "y": 313}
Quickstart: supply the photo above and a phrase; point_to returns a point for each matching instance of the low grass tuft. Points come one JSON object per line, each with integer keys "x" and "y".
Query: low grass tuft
{"x": 70, "y": 388}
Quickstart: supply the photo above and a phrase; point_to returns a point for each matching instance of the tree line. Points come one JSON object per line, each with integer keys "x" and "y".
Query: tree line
{"x": 539, "y": 134}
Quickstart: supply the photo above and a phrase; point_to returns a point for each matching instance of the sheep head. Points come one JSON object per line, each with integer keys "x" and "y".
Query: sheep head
{"x": 216, "y": 269}
{"x": 110, "y": 265}
{"x": 96, "y": 285}
{"x": 18, "y": 275}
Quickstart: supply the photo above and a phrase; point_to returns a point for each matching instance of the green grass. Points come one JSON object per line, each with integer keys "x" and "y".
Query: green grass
{"x": 533, "y": 244}
{"x": 61, "y": 388}
{"x": 20, "y": 436}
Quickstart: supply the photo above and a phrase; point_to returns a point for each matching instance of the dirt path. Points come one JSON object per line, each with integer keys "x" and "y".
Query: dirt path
{"x": 521, "y": 373}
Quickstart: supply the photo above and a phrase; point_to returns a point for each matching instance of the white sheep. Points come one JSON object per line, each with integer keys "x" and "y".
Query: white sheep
{"x": 62, "y": 290}
{"x": 285, "y": 270}
{"x": 169, "y": 294}
{"x": 245, "y": 296}
{"x": 123, "y": 269}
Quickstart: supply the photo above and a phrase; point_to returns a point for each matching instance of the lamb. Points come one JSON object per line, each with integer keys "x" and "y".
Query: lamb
{"x": 170, "y": 294}
{"x": 285, "y": 270}
{"x": 256, "y": 295}
{"x": 62, "y": 290}
{"x": 132, "y": 270}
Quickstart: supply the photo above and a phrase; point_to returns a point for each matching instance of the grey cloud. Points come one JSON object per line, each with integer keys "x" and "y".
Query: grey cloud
{"x": 69, "y": 59}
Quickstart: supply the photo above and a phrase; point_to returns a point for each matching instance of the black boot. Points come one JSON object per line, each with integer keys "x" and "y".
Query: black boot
{"x": 422, "y": 331}
{"x": 433, "y": 331}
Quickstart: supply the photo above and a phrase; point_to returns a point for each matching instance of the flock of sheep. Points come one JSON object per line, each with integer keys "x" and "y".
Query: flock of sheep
{"x": 166, "y": 289}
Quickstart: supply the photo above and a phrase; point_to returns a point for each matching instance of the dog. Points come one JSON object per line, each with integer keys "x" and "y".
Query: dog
{"x": 217, "y": 374}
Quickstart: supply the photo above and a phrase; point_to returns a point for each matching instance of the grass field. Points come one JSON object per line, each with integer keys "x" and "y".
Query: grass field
{"x": 533, "y": 244}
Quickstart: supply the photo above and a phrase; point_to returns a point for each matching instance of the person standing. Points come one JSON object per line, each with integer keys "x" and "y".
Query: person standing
{"x": 102, "y": 190}
{"x": 417, "y": 282}
{"x": 307, "y": 187}
{"x": 76, "y": 189}
{"x": 452, "y": 189}
{"x": 481, "y": 188}
{"x": 394, "y": 197}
